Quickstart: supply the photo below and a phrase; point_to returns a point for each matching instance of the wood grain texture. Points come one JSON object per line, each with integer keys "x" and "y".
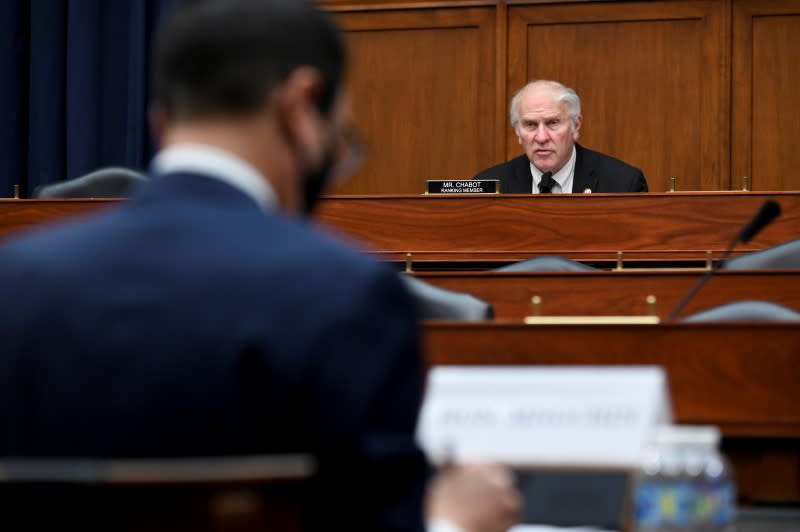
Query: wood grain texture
{"x": 767, "y": 469}
{"x": 652, "y": 77}
{"x": 699, "y": 90}
{"x": 741, "y": 377}
{"x": 423, "y": 83}
{"x": 501, "y": 88}
{"x": 664, "y": 227}
{"x": 384, "y": 5}
{"x": 515, "y": 227}
{"x": 20, "y": 215}
{"x": 766, "y": 47}
{"x": 623, "y": 293}
{"x": 372, "y": 5}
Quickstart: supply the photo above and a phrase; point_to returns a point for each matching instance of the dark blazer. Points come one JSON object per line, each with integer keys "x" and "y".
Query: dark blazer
{"x": 189, "y": 322}
{"x": 593, "y": 170}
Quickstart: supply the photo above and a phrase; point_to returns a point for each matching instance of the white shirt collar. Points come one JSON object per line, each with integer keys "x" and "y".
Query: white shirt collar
{"x": 563, "y": 177}
{"x": 218, "y": 164}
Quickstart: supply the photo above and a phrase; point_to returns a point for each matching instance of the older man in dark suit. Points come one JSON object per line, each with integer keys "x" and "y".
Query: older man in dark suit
{"x": 205, "y": 315}
{"x": 546, "y": 116}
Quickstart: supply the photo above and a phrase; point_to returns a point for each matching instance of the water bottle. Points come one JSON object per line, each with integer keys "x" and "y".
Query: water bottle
{"x": 714, "y": 504}
{"x": 646, "y": 490}
{"x": 661, "y": 488}
{"x": 685, "y": 483}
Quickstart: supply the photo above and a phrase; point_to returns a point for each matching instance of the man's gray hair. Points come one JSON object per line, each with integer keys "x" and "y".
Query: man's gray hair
{"x": 561, "y": 93}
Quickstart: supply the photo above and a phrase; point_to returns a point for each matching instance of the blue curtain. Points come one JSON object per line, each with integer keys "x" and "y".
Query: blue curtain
{"x": 74, "y": 88}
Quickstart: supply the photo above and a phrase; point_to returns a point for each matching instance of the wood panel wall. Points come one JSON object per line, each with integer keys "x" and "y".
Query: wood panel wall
{"x": 649, "y": 75}
{"x": 699, "y": 90}
{"x": 766, "y": 99}
{"x": 423, "y": 85}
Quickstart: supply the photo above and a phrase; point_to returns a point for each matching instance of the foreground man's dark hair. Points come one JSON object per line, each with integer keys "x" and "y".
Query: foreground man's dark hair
{"x": 225, "y": 56}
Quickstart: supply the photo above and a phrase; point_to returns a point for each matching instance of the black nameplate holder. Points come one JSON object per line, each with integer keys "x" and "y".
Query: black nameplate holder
{"x": 464, "y": 186}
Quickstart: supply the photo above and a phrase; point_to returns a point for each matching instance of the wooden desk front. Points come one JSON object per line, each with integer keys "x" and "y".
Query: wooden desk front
{"x": 617, "y": 292}
{"x": 661, "y": 227}
{"x": 587, "y": 227}
{"x": 16, "y": 215}
{"x": 744, "y": 378}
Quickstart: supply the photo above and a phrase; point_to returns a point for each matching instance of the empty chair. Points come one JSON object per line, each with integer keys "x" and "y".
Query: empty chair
{"x": 746, "y": 310}
{"x": 111, "y": 182}
{"x": 435, "y": 303}
{"x": 546, "y": 264}
{"x": 786, "y": 255}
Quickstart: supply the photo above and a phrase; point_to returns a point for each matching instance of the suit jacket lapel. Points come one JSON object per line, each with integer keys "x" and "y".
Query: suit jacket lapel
{"x": 584, "y": 173}
{"x": 523, "y": 180}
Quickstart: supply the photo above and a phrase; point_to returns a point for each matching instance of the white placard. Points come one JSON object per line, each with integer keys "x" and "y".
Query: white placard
{"x": 597, "y": 416}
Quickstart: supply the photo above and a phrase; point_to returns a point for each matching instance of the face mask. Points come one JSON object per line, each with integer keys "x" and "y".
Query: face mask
{"x": 315, "y": 181}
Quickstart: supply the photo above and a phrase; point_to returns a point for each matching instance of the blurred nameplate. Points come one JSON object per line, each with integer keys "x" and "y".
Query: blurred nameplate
{"x": 574, "y": 416}
{"x": 467, "y": 186}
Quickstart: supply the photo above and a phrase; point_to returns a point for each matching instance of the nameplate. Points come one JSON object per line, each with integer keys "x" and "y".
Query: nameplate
{"x": 467, "y": 186}
{"x": 575, "y": 416}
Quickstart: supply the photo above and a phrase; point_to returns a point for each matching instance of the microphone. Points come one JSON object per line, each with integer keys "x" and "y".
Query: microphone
{"x": 768, "y": 212}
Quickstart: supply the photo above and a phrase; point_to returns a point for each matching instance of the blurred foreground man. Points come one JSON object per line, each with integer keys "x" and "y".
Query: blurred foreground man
{"x": 546, "y": 116}
{"x": 206, "y": 317}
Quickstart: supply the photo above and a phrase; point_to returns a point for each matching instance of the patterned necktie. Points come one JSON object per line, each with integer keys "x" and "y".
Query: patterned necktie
{"x": 546, "y": 184}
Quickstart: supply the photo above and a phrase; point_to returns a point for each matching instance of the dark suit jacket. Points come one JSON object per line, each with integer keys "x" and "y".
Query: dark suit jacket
{"x": 189, "y": 322}
{"x": 593, "y": 170}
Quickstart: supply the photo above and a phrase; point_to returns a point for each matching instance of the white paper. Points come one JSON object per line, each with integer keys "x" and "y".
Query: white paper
{"x": 595, "y": 416}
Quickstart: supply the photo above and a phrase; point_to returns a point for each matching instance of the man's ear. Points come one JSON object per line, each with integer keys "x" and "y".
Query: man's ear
{"x": 576, "y": 130}
{"x": 298, "y": 111}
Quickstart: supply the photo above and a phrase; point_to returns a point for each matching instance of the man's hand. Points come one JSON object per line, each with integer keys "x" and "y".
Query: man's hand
{"x": 475, "y": 497}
